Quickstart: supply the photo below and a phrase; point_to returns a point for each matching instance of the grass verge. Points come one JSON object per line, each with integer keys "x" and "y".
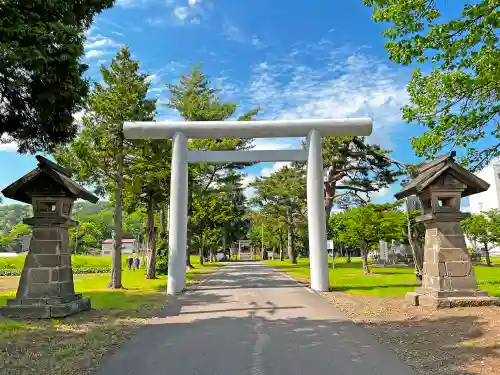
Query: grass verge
{"x": 388, "y": 281}
{"x": 76, "y": 345}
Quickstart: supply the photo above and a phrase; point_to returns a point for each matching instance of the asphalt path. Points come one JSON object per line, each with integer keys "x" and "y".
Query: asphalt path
{"x": 249, "y": 319}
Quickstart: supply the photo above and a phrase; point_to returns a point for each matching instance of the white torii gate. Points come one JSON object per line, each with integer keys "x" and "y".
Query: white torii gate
{"x": 180, "y": 131}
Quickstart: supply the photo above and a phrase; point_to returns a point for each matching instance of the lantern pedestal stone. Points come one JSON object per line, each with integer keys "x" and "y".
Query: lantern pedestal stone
{"x": 448, "y": 274}
{"x": 46, "y": 288}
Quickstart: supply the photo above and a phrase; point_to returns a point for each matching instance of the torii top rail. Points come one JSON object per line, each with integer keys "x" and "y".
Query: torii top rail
{"x": 180, "y": 131}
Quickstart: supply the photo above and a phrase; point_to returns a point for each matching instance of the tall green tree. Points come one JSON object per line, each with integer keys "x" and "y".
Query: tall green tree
{"x": 282, "y": 196}
{"x": 87, "y": 236}
{"x": 458, "y": 100}
{"x": 354, "y": 169}
{"x": 98, "y": 156}
{"x": 147, "y": 185}
{"x": 42, "y": 83}
{"x": 366, "y": 225}
{"x": 485, "y": 229}
{"x": 196, "y": 99}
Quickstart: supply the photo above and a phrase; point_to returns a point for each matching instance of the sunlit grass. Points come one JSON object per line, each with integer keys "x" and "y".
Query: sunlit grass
{"x": 76, "y": 344}
{"x": 388, "y": 281}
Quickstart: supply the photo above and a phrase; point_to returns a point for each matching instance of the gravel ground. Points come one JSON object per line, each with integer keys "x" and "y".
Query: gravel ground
{"x": 460, "y": 341}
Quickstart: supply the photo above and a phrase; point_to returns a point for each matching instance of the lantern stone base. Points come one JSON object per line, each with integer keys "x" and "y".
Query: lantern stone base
{"x": 446, "y": 300}
{"x": 45, "y": 308}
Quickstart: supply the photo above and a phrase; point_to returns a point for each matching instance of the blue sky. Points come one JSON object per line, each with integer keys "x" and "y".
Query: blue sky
{"x": 290, "y": 58}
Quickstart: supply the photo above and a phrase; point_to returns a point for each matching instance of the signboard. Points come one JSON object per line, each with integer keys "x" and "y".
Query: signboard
{"x": 384, "y": 251}
{"x": 329, "y": 244}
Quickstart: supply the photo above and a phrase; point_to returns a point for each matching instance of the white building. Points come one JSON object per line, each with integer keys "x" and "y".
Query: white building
{"x": 490, "y": 199}
{"x": 129, "y": 246}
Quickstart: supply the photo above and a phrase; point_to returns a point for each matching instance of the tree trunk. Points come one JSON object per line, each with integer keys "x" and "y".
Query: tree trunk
{"x": 487, "y": 255}
{"x": 328, "y": 210}
{"x": 418, "y": 253}
{"x": 292, "y": 254}
{"x": 282, "y": 254}
{"x": 348, "y": 256}
{"x": 151, "y": 241}
{"x": 189, "y": 266}
{"x": 202, "y": 257}
{"x": 364, "y": 256}
{"x": 116, "y": 263}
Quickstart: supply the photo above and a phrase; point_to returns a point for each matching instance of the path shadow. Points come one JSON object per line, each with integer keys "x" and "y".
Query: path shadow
{"x": 316, "y": 347}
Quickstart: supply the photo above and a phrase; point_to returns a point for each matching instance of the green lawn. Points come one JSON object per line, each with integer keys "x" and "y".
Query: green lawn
{"x": 77, "y": 261}
{"x": 75, "y": 345}
{"x": 389, "y": 281}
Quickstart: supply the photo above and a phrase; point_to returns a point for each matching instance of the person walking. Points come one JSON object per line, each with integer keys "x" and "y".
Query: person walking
{"x": 129, "y": 262}
{"x": 137, "y": 262}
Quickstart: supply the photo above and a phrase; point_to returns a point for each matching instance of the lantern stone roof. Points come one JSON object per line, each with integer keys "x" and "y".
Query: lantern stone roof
{"x": 21, "y": 190}
{"x": 429, "y": 172}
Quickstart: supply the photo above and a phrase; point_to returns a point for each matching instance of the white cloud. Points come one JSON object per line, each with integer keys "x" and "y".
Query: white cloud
{"x": 151, "y": 77}
{"x": 338, "y": 82}
{"x": 193, "y": 3}
{"x": 233, "y": 33}
{"x": 99, "y": 42}
{"x": 181, "y": 13}
{"x": 276, "y": 143}
{"x": 257, "y": 42}
{"x": 93, "y": 53}
{"x": 7, "y": 145}
{"x": 157, "y": 21}
{"x": 266, "y": 172}
{"x": 132, "y": 3}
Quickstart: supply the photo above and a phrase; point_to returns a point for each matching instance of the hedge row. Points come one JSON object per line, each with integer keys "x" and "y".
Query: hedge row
{"x": 76, "y": 271}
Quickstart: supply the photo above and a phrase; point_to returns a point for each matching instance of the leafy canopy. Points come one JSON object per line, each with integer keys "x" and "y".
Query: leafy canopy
{"x": 41, "y": 74}
{"x": 459, "y": 100}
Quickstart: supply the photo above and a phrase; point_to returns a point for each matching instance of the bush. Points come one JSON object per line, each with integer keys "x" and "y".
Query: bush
{"x": 162, "y": 265}
{"x": 76, "y": 271}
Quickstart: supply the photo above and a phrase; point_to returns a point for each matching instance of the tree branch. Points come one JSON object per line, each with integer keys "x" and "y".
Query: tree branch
{"x": 354, "y": 188}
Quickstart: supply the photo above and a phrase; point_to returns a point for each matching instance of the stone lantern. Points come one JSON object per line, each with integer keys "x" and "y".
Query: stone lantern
{"x": 448, "y": 274}
{"x": 46, "y": 288}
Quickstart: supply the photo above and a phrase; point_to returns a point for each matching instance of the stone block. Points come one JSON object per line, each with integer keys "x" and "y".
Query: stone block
{"x": 452, "y": 241}
{"x": 412, "y": 298}
{"x": 61, "y": 274}
{"x": 451, "y": 227}
{"x": 457, "y": 254}
{"x": 39, "y": 275}
{"x": 65, "y": 260}
{"x": 433, "y": 282}
{"x": 66, "y": 288}
{"x": 43, "y": 247}
{"x": 44, "y": 290}
{"x": 435, "y": 269}
{"x": 26, "y": 311}
{"x": 47, "y": 234}
{"x": 45, "y": 311}
{"x": 466, "y": 283}
{"x": 70, "y": 308}
{"x": 48, "y": 260}
{"x": 458, "y": 268}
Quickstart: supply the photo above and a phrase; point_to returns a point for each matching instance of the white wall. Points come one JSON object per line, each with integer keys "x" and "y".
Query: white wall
{"x": 490, "y": 199}
{"x": 127, "y": 248}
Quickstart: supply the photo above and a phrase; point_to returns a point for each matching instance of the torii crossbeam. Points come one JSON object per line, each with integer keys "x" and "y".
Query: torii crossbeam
{"x": 180, "y": 131}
